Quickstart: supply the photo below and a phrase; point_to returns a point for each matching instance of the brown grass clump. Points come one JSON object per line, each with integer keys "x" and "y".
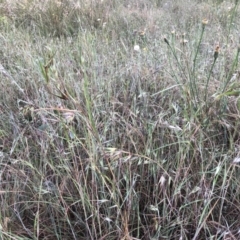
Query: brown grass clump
{"x": 119, "y": 120}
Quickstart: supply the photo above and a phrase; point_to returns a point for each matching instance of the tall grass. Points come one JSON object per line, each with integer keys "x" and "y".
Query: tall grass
{"x": 127, "y": 125}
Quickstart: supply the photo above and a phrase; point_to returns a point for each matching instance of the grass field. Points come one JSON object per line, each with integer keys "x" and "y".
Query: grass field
{"x": 119, "y": 119}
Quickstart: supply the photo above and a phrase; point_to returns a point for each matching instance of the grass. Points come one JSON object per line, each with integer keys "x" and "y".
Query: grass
{"x": 119, "y": 120}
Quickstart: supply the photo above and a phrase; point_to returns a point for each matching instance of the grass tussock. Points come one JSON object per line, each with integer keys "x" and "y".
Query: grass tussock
{"x": 119, "y": 120}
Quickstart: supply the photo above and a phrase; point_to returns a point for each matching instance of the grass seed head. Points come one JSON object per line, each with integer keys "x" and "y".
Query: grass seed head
{"x": 216, "y": 52}
{"x": 166, "y": 41}
{"x": 204, "y": 22}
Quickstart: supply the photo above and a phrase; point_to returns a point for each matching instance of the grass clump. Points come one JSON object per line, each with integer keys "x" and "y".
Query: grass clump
{"x": 119, "y": 120}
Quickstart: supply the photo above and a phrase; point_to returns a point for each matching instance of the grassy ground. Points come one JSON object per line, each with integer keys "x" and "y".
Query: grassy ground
{"x": 119, "y": 119}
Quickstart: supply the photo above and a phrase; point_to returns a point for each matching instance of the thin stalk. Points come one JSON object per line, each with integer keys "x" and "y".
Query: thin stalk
{"x": 233, "y": 67}
{"x": 173, "y": 72}
{"x": 193, "y": 83}
{"x": 210, "y": 72}
{"x": 234, "y": 11}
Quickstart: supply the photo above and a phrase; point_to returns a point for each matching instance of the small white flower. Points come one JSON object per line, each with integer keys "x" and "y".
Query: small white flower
{"x": 137, "y": 48}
